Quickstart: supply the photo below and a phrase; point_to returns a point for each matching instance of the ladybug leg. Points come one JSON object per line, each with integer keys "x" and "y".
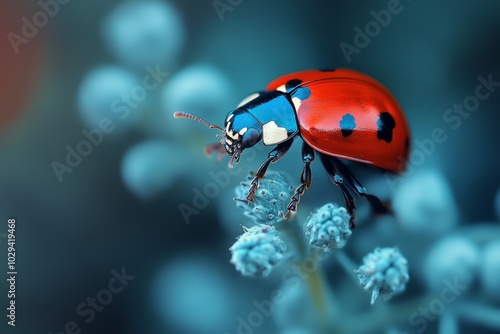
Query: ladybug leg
{"x": 376, "y": 204}
{"x": 338, "y": 180}
{"x": 305, "y": 179}
{"x": 277, "y": 153}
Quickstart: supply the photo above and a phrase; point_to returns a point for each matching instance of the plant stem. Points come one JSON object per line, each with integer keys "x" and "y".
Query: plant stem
{"x": 310, "y": 271}
{"x": 317, "y": 289}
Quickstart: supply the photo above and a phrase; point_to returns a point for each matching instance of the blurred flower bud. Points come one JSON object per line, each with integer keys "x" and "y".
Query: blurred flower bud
{"x": 257, "y": 251}
{"x": 384, "y": 272}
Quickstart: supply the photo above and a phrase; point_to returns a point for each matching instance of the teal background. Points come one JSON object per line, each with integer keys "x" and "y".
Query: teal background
{"x": 72, "y": 234}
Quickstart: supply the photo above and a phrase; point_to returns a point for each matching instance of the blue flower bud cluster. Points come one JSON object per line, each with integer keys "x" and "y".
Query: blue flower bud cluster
{"x": 328, "y": 228}
{"x": 271, "y": 198}
{"x": 384, "y": 272}
{"x": 257, "y": 251}
{"x": 263, "y": 246}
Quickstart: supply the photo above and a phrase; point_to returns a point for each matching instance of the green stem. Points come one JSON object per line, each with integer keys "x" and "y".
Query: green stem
{"x": 314, "y": 279}
{"x": 316, "y": 285}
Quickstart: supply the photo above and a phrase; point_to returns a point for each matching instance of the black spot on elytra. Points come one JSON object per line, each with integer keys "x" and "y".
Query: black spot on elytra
{"x": 385, "y": 125}
{"x": 347, "y": 125}
{"x": 291, "y": 84}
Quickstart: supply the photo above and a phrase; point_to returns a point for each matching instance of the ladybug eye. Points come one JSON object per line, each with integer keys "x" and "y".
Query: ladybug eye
{"x": 250, "y": 138}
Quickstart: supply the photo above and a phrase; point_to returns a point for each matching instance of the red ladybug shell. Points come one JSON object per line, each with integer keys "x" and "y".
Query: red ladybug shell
{"x": 349, "y": 115}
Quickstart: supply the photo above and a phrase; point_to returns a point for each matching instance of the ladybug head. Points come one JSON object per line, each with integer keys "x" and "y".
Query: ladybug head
{"x": 242, "y": 130}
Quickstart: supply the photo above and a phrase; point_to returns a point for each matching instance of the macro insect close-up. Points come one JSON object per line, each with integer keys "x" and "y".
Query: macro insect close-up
{"x": 338, "y": 114}
{"x": 250, "y": 167}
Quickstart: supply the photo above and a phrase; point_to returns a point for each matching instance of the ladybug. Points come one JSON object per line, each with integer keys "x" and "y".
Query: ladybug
{"x": 340, "y": 115}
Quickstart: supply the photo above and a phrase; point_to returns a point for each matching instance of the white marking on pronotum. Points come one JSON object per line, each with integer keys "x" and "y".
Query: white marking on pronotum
{"x": 242, "y": 131}
{"x": 248, "y": 99}
{"x": 229, "y": 141}
{"x": 296, "y": 103}
{"x": 282, "y": 88}
{"x": 273, "y": 134}
{"x": 228, "y": 124}
{"x": 232, "y": 135}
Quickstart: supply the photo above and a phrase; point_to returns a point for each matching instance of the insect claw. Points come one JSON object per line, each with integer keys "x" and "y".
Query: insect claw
{"x": 244, "y": 200}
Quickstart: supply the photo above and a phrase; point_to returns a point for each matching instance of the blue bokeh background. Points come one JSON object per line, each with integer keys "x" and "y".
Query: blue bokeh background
{"x": 119, "y": 206}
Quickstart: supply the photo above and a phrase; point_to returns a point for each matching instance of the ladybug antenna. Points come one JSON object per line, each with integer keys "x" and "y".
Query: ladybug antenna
{"x": 181, "y": 114}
